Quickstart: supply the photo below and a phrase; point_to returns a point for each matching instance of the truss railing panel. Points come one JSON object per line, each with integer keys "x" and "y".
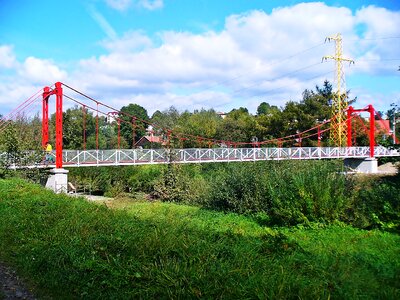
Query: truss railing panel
{"x": 198, "y": 155}
{"x": 79, "y": 158}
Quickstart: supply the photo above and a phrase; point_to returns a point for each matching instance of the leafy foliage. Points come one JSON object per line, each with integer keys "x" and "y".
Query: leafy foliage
{"x": 288, "y": 193}
{"x": 133, "y": 129}
{"x": 182, "y": 184}
{"x": 376, "y": 203}
{"x": 238, "y": 126}
{"x": 276, "y": 192}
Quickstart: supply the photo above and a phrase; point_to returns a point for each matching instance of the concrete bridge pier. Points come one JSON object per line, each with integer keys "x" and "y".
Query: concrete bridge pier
{"x": 58, "y": 180}
{"x": 362, "y": 165}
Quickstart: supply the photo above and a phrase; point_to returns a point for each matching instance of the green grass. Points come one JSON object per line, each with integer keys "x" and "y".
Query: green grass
{"x": 70, "y": 248}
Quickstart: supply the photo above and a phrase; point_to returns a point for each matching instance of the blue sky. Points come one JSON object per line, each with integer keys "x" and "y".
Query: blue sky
{"x": 193, "y": 54}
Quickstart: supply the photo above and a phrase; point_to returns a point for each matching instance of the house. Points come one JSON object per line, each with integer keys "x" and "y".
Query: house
{"x": 383, "y": 127}
{"x": 222, "y": 114}
{"x": 150, "y": 140}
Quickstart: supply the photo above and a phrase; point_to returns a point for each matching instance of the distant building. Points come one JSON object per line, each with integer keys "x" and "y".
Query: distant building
{"x": 382, "y": 126}
{"x": 222, "y": 114}
{"x": 111, "y": 117}
{"x": 150, "y": 140}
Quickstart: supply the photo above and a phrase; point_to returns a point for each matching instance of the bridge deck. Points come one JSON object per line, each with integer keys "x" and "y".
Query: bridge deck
{"x": 116, "y": 157}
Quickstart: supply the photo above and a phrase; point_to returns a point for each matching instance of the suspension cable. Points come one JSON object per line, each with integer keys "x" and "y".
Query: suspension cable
{"x": 97, "y": 126}
{"x": 84, "y": 126}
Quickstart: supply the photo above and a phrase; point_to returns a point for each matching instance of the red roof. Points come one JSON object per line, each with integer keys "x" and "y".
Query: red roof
{"x": 382, "y": 125}
{"x": 150, "y": 139}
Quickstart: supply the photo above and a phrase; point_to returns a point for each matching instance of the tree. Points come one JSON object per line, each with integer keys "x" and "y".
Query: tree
{"x": 167, "y": 119}
{"x": 203, "y": 123}
{"x": 238, "y": 126}
{"x": 318, "y": 104}
{"x": 295, "y": 117}
{"x": 134, "y": 121}
{"x": 73, "y": 128}
{"x": 74, "y": 123}
{"x": 393, "y": 116}
{"x": 316, "y": 108}
{"x": 11, "y": 144}
{"x": 266, "y": 109}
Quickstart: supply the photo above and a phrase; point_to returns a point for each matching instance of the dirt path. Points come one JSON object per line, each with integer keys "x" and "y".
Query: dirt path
{"x": 388, "y": 168}
{"x": 11, "y": 286}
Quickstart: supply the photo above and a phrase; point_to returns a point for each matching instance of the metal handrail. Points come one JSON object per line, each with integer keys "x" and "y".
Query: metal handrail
{"x": 115, "y": 157}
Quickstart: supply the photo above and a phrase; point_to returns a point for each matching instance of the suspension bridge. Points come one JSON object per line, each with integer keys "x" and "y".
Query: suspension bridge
{"x": 209, "y": 150}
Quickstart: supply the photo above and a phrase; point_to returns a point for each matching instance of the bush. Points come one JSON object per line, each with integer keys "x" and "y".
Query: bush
{"x": 288, "y": 192}
{"x": 181, "y": 184}
{"x": 376, "y": 203}
{"x": 277, "y": 192}
{"x": 144, "y": 178}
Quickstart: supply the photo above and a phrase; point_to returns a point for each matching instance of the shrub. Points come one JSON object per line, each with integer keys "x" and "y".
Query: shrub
{"x": 181, "y": 184}
{"x": 144, "y": 178}
{"x": 376, "y": 203}
{"x": 288, "y": 192}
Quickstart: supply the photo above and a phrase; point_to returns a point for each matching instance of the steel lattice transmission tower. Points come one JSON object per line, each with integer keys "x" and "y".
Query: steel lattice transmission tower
{"x": 338, "y": 130}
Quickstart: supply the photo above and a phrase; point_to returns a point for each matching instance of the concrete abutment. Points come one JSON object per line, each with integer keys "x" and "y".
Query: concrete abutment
{"x": 58, "y": 180}
{"x": 362, "y": 165}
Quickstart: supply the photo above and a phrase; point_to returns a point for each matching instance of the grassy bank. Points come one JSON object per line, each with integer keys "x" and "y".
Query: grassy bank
{"x": 70, "y": 248}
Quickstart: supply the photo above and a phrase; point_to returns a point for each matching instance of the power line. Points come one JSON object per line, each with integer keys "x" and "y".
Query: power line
{"x": 375, "y": 38}
{"x": 276, "y": 78}
{"x": 379, "y": 59}
{"x": 267, "y": 65}
{"x": 284, "y": 86}
{"x": 294, "y": 55}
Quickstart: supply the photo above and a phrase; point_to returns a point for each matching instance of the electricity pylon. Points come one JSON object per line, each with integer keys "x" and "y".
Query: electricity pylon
{"x": 338, "y": 130}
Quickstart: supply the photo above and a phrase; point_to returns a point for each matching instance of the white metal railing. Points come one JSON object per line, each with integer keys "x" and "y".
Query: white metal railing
{"x": 116, "y": 157}
{"x": 79, "y": 158}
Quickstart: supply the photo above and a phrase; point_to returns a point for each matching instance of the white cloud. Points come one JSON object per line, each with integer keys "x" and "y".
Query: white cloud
{"x": 119, "y": 4}
{"x": 41, "y": 71}
{"x": 131, "y": 41}
{"x": 285, "y": 29}
{"x": 373, "y": 55}
{"x": 123, "y": 5}
{"x": 25, "y": 79}
{"x": 250, "y": 50}
{"x": 151, "y": 4}
{"x": 379, "y": 21}
{"x": 103, "y": 23}
{"x": 7, "y": 57}
{"x": 255, "y": 57}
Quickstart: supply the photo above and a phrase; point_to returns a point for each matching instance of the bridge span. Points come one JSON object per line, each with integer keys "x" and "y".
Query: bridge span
{"x": 120, "y": 157}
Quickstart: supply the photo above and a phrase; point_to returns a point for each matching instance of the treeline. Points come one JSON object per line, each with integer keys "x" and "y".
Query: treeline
{"x": 83, "y": 129}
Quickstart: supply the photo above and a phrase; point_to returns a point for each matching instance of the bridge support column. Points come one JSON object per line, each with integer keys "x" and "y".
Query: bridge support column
{"x": 45, "y": 116}
{"x": 59, "y": 125}
{"x": 362, "y": 165}
{"x": 58, "y": 180}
